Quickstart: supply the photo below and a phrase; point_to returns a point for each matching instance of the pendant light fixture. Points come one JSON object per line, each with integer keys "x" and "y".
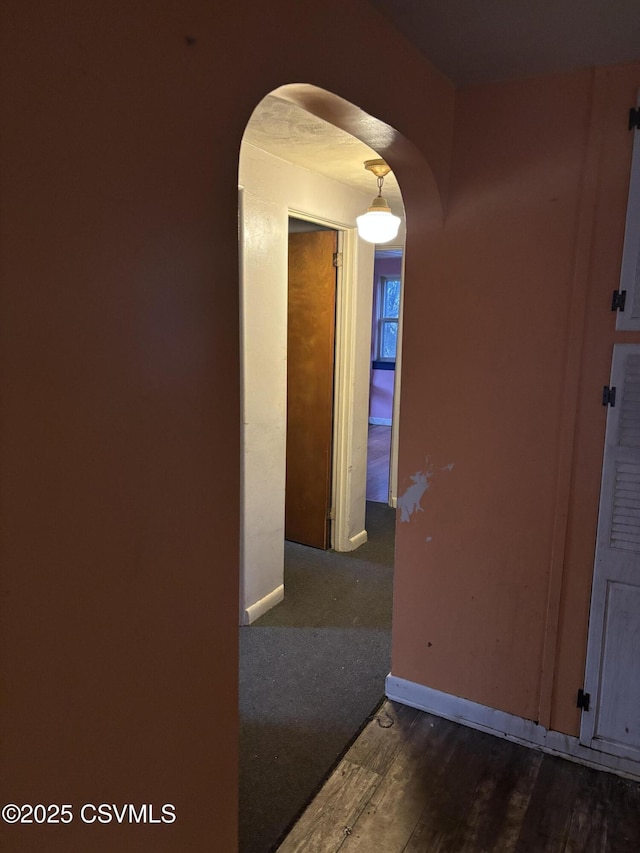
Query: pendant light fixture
{"x": 378, "y": 224}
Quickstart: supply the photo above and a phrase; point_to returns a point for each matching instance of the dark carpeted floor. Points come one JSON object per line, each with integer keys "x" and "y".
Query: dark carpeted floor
{"x": 312, "y": 670}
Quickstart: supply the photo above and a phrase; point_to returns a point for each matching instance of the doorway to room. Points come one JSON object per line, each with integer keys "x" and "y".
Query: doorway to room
{"x": 385, "y": 372}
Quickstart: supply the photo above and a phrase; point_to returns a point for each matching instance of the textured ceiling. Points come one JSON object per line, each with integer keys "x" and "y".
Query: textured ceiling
{"x": 291, "y": 133}
{"x": 479, "y": 41}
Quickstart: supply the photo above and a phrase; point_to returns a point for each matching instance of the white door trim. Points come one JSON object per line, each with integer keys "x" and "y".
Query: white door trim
{"x": 342, "y": 539}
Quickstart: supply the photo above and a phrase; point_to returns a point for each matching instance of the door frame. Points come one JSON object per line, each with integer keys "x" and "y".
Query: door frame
{"x": 348, "y": 314}
{"x": 345, "y": 379}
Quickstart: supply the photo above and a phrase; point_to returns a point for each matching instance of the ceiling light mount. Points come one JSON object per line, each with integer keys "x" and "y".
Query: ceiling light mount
{"x": 379, "y": 168}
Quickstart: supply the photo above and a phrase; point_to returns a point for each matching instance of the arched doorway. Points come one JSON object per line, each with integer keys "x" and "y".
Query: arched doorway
{"x": 276, "y": 193}
{"x": 270, "y": 193}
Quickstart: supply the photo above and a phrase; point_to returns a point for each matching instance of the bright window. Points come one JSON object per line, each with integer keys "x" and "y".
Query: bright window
{"x": 388, "y": 312}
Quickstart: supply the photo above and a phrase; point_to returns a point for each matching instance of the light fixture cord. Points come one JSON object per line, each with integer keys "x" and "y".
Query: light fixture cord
{"x": 380, "y": 180}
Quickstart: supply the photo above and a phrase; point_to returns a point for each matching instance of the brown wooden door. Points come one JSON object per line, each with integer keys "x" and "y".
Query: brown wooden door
{"x": 310, "y": 366}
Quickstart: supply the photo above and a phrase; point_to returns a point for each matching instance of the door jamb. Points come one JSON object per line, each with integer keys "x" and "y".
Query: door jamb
{"x": 343, "y": 392}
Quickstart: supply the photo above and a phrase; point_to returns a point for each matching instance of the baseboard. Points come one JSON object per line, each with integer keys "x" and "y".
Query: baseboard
{"x": 353, "y": 542}
{"x": 358, "y": 540}
{"x": 255, "y": 611}
{"x": 505, "y": 725}
{"x": 380, "y": 421}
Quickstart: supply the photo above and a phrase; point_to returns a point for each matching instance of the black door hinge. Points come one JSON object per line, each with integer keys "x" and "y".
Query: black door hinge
{"x": 583, "y": 700}
{"x": 618, "y": 300}
{"x": 634, "y": 119}
{"x": 609, "y": 396}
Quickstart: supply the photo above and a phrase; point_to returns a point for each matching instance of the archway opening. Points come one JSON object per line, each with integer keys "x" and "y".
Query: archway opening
{"x": 281, "y": 182}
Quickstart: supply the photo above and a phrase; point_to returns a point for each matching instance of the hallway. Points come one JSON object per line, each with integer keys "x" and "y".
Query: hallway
{"x": 312, "y": 669}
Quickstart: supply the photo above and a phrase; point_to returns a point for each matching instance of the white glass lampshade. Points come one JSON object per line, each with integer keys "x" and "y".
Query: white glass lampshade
{"x": 378, "y": 224}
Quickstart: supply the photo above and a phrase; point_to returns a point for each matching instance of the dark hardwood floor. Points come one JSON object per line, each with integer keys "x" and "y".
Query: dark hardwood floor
{"x": 415, "y": 783}
{"x": 378, "y": 450}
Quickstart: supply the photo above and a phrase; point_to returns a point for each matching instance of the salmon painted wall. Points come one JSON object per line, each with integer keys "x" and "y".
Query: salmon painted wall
{"x": 119, "y": 469}
{"x": 513, "y": 338}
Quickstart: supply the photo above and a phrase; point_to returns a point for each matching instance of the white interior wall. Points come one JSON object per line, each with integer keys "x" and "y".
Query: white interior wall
{"x": 271, "y": 189}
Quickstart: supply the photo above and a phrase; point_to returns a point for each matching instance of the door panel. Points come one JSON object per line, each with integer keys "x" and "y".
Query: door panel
{"x": 612, "y": 677}
{"x": 618, "y": 723}
{"x": 310, "y": 371}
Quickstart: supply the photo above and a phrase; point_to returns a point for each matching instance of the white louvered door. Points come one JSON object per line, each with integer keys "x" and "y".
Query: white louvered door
{"x": 612, "y": 723}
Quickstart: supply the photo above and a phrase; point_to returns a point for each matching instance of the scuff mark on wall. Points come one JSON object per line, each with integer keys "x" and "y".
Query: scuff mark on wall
{"x": 409, "y": 502}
